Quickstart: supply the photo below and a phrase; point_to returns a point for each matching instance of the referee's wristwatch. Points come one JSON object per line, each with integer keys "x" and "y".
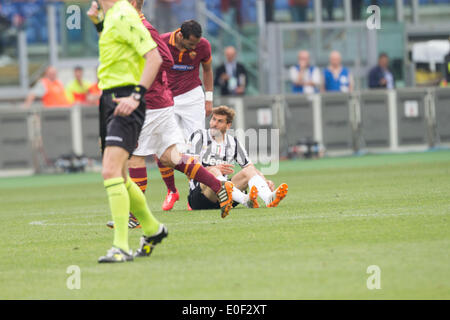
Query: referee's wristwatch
{"x": 138, "y": 93}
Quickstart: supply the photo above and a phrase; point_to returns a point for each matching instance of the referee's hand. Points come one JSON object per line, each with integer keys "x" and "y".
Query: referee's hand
{"x": 93, "y": 12}
{"x": 125, "y": 106}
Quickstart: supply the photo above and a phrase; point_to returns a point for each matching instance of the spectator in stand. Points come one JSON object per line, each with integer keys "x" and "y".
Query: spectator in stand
{"x": 270, "y": 6}
{"x": 231, "y": 76}
{"x": 10, "y": 22}
{"x": 446, "y": 72}
{"x": 232, "y": 15}
{"x": 299, "y": 10}
{"x": 380, "y": 77}
{"x": 329, "y": 8}
{"x": 336, "y": 77}
{"x": 50, "y": 90}
{"x": 304, "y": 77}
{"x": 4, "y": 25}
{"x": 12, "y": 10}
{"x": 357, "y": 7}
{"x": 231, "y": 11}
{"x": 78, "y": 88}
{"x": 31, "y": 14}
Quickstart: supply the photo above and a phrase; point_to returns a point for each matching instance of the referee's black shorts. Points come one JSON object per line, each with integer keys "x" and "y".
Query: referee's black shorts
{"x": 198, "y": 201}
{"x": 117, "y": 130}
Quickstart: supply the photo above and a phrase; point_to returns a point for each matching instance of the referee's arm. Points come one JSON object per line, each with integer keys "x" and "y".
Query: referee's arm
{"x": 153, "y": 61}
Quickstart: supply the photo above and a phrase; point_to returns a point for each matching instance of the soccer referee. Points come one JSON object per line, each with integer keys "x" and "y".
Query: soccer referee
{"x": 129, "y": 62}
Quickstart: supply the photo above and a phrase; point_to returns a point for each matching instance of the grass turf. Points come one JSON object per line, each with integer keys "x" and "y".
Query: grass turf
{"x": 341, "y": 215}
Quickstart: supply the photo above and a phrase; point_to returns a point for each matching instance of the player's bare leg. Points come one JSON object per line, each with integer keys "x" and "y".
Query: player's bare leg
{"x": 167, "y": 174}
{"x": 166, "y": 166}
{"x": 240, "y": 179}
{"x": 194, "y": 170}
{"x": 114, "y": 162}
{"x": 207, "y": 192}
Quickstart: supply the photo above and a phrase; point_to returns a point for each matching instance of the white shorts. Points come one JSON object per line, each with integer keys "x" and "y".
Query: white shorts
{"x": 159, "y": 132}
{"x": 190, "y": 111}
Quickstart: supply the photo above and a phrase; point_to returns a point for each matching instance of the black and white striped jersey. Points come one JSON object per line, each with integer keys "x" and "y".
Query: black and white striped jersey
{"x": 211, "y": 153}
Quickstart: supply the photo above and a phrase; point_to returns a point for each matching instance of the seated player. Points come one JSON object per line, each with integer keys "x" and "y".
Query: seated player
{"x": 217, "y": 150}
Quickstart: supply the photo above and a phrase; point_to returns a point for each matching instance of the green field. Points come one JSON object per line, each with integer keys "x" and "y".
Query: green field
{"x": 341, "y": 215}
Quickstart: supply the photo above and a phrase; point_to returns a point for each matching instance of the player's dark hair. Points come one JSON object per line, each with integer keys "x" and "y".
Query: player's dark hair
{"x": 383, "y": 55}
{"x": 80, "y": 68}
{"x": 191, "y": 28}
{"x": 224, "y": 111}
{"x": 139, "y": 4}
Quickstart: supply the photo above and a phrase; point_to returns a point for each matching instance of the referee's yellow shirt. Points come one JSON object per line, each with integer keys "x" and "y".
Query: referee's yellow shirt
{"x": 122, "y": 45}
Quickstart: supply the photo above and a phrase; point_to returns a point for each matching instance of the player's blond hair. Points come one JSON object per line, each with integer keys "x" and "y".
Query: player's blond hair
{"x": 225, "y": 111}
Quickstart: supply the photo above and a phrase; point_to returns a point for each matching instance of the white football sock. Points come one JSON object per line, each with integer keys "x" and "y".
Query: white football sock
{"x": 239, "y": 196}
{"x": 221, "y": 178}
{"x": 263, "y": 189}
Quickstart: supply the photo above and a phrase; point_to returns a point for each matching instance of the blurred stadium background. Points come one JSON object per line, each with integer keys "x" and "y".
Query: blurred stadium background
{"x": 413, "y": 116}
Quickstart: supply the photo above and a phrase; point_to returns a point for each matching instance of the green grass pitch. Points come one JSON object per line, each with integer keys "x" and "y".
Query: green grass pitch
{"x": 341, "y": 215}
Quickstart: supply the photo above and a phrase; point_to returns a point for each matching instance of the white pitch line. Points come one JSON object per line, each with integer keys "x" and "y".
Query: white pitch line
{"x": 43, "y": 223}
{"x": 85, "y": 211}
{"x": 278, "y": 217}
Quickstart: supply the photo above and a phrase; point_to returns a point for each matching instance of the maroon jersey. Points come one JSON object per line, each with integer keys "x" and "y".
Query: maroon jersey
{"x": 159, "y": 95}
{"x": 184, "y": 75}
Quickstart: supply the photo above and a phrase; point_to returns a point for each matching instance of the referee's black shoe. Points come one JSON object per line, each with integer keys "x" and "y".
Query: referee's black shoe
{"x": 149, "y": 243}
